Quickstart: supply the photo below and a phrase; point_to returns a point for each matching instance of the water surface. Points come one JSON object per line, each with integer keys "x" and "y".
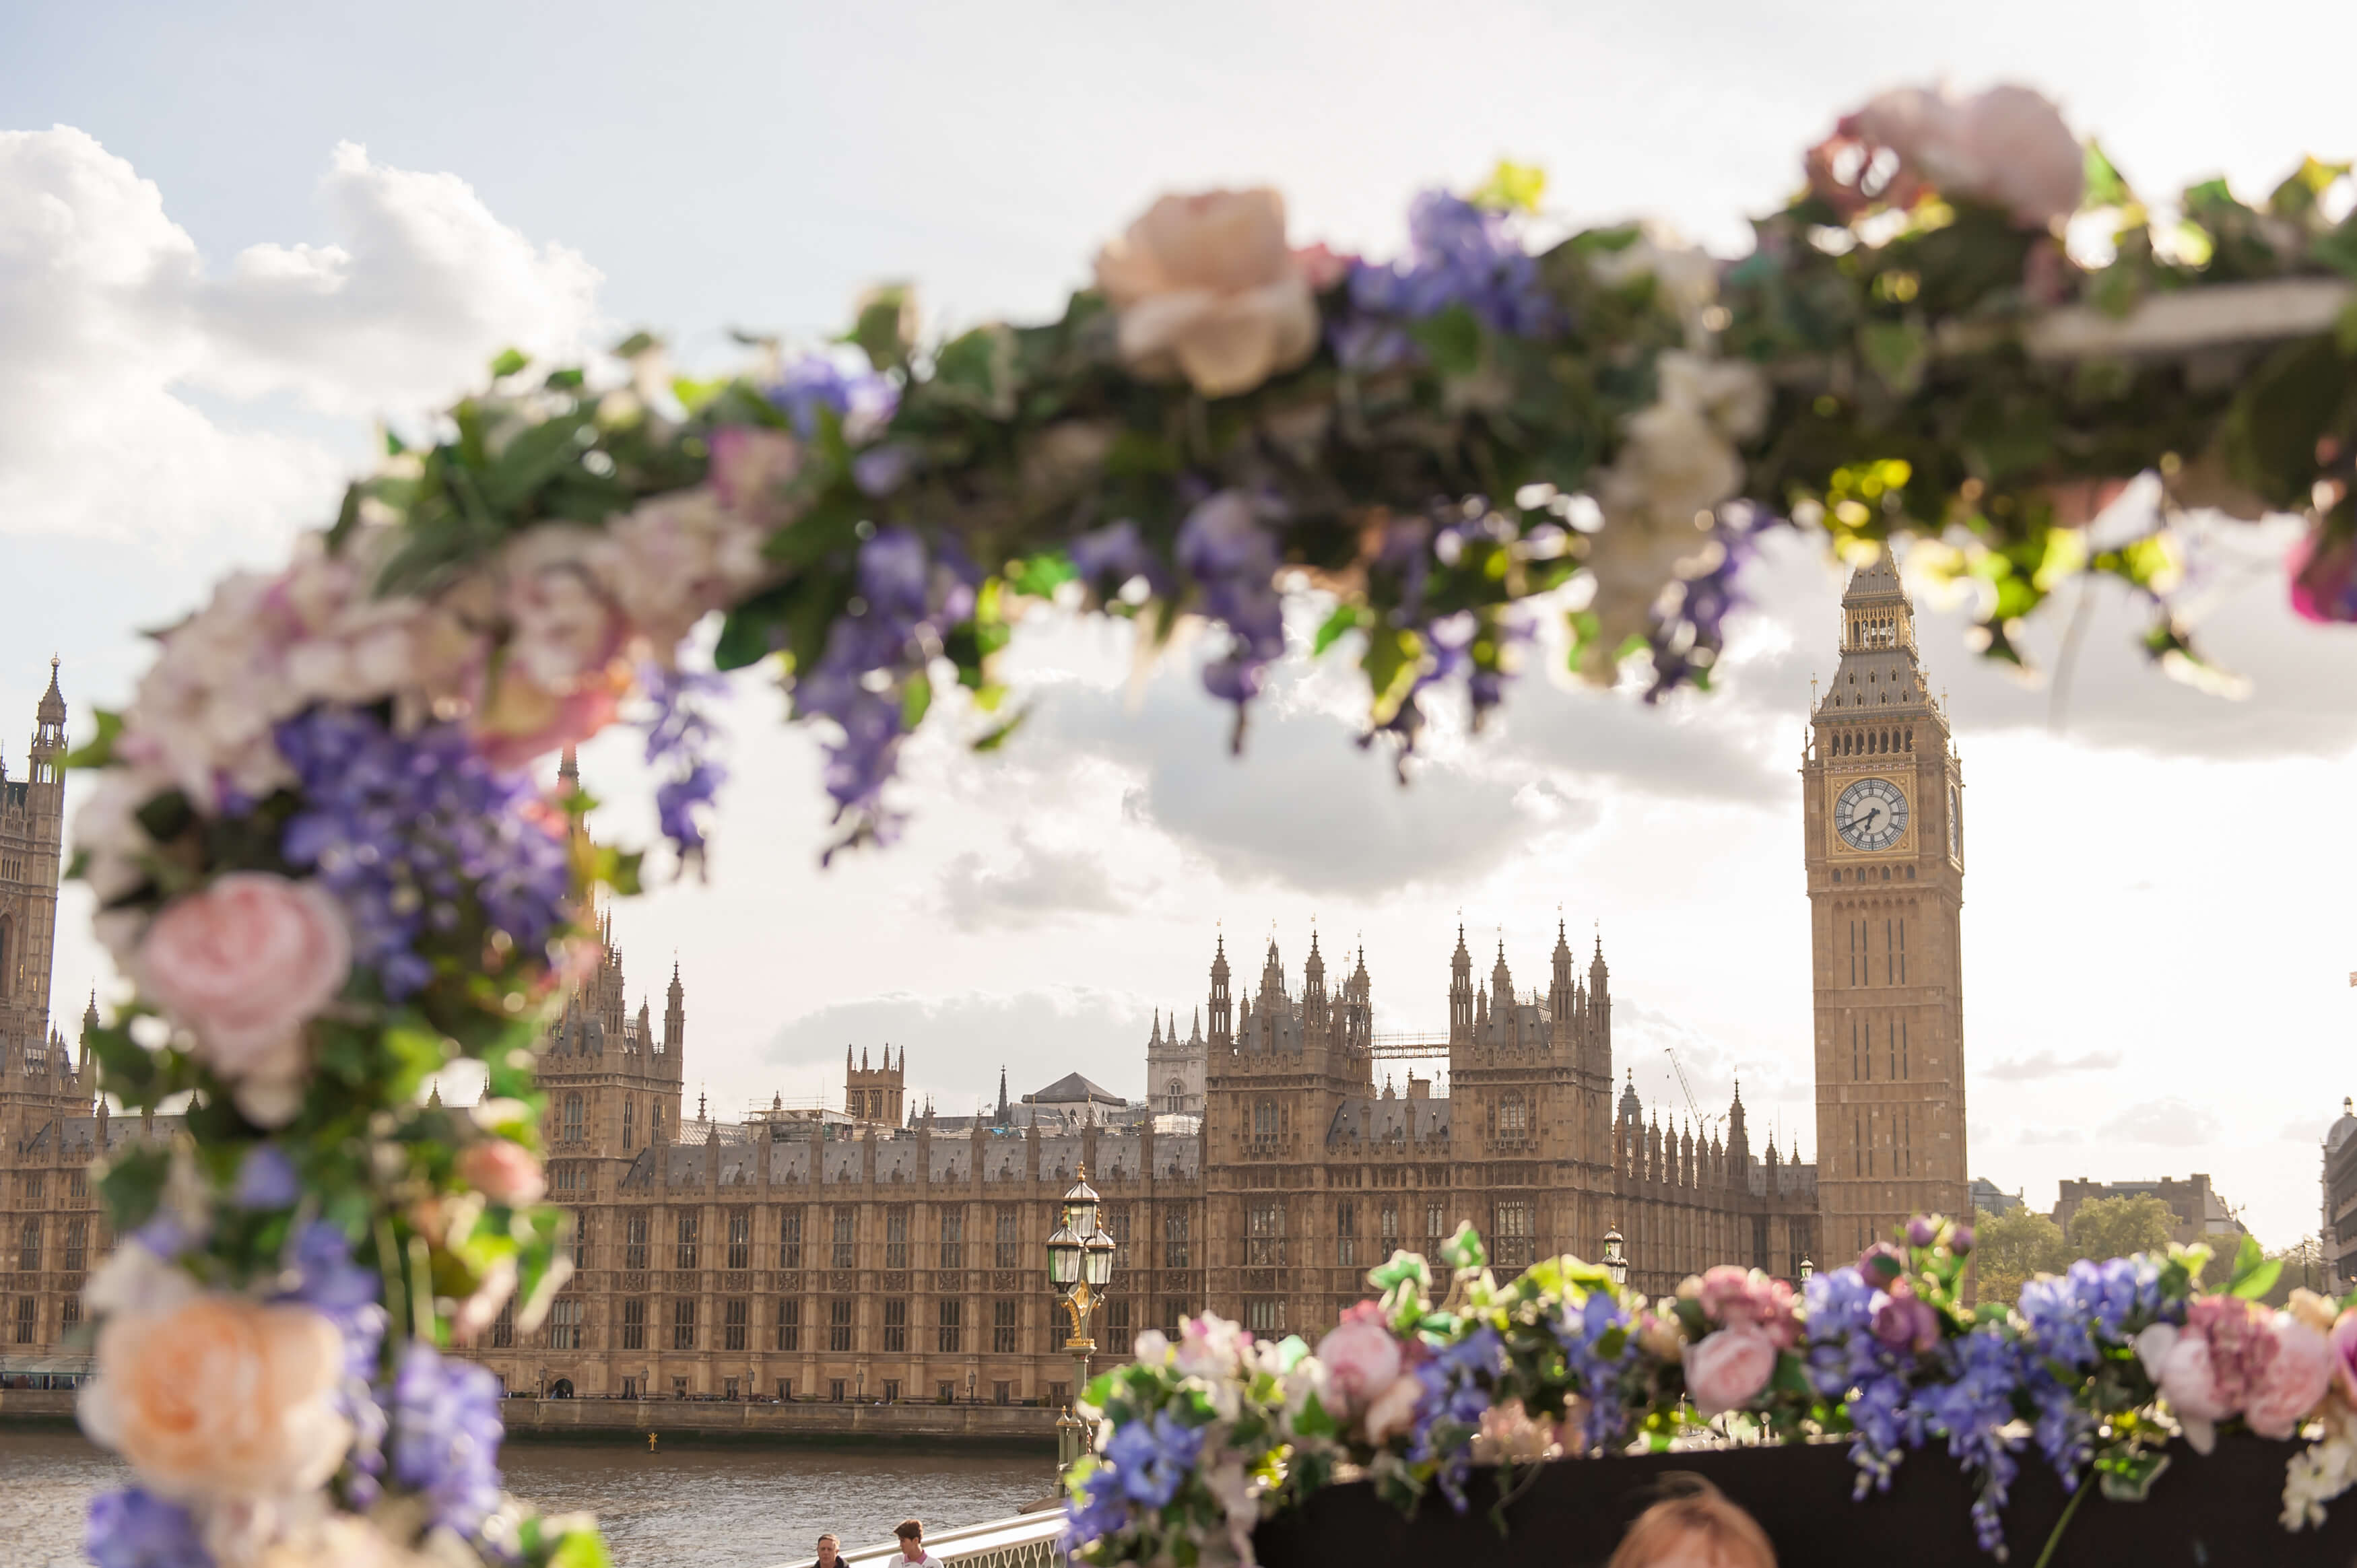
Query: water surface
{"x": 685, "y": 1504}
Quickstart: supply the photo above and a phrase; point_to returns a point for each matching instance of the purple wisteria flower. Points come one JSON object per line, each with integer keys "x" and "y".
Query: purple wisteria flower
{"x": 1459, "y": 254}
{"x": 1150, "y": 1459}
{"x": 404, "y": 829}
{"x": 1971, "y": 1406}
{"x": 1843, "y": 1360}
{"x": 907, "y": 597}
{"x": 1233, "y": 558}
{"x": 680, "y": 736}
{"x": 132, "y": 1528}
{"x": 1109, "y": 558}
{"x": 1686, "y": 644}
{"x": 445, "y": 1436}
{"x": 863, "y": 400}
{"x": 1457, "y": 1384}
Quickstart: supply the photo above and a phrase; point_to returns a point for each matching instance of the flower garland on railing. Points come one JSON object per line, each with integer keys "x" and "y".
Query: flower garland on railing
{"x": 2097, "y": 1370}
{"x": 321, "y": 869}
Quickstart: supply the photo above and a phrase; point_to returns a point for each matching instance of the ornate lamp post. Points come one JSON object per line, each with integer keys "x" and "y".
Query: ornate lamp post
{"x": 1807, "y": 1268}
{"x": 1616, "y": 1258}
{"x": 1080, "y": 1265}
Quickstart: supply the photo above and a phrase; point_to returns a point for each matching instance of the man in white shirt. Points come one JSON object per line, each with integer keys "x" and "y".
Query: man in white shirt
{"x": 912, "y": 1547}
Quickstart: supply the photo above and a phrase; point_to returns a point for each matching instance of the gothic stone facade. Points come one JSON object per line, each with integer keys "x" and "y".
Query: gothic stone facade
{"x": 856, "y": 1257}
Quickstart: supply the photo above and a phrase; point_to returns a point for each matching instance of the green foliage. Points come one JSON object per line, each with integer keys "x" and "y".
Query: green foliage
{"x": 2118, "y": 1227}
{"x": 2009, "y": 1249}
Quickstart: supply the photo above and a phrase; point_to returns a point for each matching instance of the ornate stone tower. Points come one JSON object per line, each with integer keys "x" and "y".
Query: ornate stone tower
{"x": 875, "y": 1094}
{"x": 35, "y": 1065}
{"x": 1174, "y": 1068}
{"x": 1883, "y": 843}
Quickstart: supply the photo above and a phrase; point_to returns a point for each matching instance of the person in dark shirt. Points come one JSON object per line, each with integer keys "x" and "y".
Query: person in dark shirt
{"x": 829, "y": 1552}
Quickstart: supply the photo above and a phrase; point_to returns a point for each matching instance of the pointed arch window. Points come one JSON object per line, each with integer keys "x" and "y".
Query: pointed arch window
{"x": 573, "y": 1118}
{"x": 629, "y": 1112}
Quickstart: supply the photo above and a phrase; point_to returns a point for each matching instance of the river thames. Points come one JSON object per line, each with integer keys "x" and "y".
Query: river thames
{"x": 684, "y": 1503}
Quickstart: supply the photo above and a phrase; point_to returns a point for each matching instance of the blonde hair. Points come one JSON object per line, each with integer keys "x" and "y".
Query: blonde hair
{"x": 1698, "y": 1509}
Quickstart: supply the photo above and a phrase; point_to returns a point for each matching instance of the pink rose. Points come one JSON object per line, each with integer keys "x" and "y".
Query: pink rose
{"x": 566, "y": 627}
{"x": 244, "y": 964}
{"x": 1730, "y": 1295}
{"x": 502, "y": 1171}
{"x": 2324, "y": 576}
{"x": 1726, "y": 1369}
{"x": 2189, "y": 1383}
{"x": 2294, "y": 1381}
{"x": 1361, "y": 1359}
{"x": 1206, "y": 289}
{"x": 2343, "y": 1341}
{"x": 220, "y": 1397}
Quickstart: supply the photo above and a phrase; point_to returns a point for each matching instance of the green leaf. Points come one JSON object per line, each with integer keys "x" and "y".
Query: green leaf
{"x": 2260, "y": 1281}
{"x": 508, "y": 362}
{"x": 914, "y": 700}
{"x": 134, "y": 1184}
{"x": 998, "y": 734}
{"x": 749, "y": 633}
{"x": 1451, "y": 339}
{"x": 636, "y": 344}
{"x": 1039, "y": 576}
{"x": 977, "y": 368}
{"x": 885, "y": 326}
{"x": 100, "y": 750}
{"x": 1464, "y": 1250}
{"x": 1344, "y": 621}
{"x": 2104, "y": 186}
{"x": 1897, "y": 350}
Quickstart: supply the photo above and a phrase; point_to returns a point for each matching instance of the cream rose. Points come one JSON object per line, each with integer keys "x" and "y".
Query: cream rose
{"x": 220, "y": 1397}
{"x": 1207, "y": 289}
{"x": 244, "y": 964}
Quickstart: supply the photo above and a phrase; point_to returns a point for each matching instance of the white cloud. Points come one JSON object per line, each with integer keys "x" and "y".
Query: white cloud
{"x": 1039, "y": 883}
{"x": 2172, "y": 1122}
{"x": 2046, "y": 1064}
{"x": 116, "y": 335}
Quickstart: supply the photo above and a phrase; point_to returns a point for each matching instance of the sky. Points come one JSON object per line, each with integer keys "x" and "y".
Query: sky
{"x": 232, "y": 237}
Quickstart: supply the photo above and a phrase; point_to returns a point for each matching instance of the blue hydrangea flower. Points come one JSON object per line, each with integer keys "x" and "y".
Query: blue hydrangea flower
{"x": 1151, "y": 1458}
{"x": 1971, "y": 1406}
{"x": 131, "y": 1529}
{"x": 445, "y": 1436}
{"x": 403, "y": 828}
{"x": 1597, "y": 1375}
{"x": 1456, "y": 1390}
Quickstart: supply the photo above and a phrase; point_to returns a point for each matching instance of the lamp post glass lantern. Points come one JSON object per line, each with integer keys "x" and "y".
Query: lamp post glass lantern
{"x": 1616, "y": 1257}
{"x": 1080, "y": 1267}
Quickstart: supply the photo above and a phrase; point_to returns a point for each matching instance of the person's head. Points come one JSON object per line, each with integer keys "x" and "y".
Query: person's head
{"x": 828, "y": 1547}
{"x": 1696, "y": 1526}
{"x": 912, "y": 1539}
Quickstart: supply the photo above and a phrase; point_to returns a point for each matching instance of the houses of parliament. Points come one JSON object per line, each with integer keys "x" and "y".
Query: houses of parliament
{"x": 879, "y": 1251}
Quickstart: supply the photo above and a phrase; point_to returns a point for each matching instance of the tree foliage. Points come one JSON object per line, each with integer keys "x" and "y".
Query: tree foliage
{"x": 2116, "y": 1227}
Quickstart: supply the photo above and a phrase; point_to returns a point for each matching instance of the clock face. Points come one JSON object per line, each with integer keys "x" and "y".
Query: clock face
{"x": 1870, "y": 814}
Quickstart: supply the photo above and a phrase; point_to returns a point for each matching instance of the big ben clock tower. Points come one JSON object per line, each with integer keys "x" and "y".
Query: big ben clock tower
{"x": 1883, "y": 840}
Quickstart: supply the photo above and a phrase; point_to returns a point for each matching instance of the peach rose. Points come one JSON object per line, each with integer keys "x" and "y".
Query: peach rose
{"x": 1725, "y": 1370}
{"x": 220, "y": 1397}
{"x": 566, "y": 625}
{"x": 244, "y": 964}
{"x": 2294, "y": 1381}
{"x": 1393, "y": 1410}
{"x": 503, "y": 1171}
{"x": 524, "y": 720}
{"x": 2008, "y": 146}
{"x": 1207, "y": 289}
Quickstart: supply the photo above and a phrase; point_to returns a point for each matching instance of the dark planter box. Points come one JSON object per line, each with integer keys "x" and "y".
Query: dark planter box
{"x": 2202, "y": 1513}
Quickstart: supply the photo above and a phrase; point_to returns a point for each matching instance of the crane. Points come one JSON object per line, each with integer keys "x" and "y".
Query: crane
{"x": 1700, "y": 1120}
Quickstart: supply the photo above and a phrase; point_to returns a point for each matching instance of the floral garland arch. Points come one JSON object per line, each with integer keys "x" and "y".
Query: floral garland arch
{"x": 327, "y": 880}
